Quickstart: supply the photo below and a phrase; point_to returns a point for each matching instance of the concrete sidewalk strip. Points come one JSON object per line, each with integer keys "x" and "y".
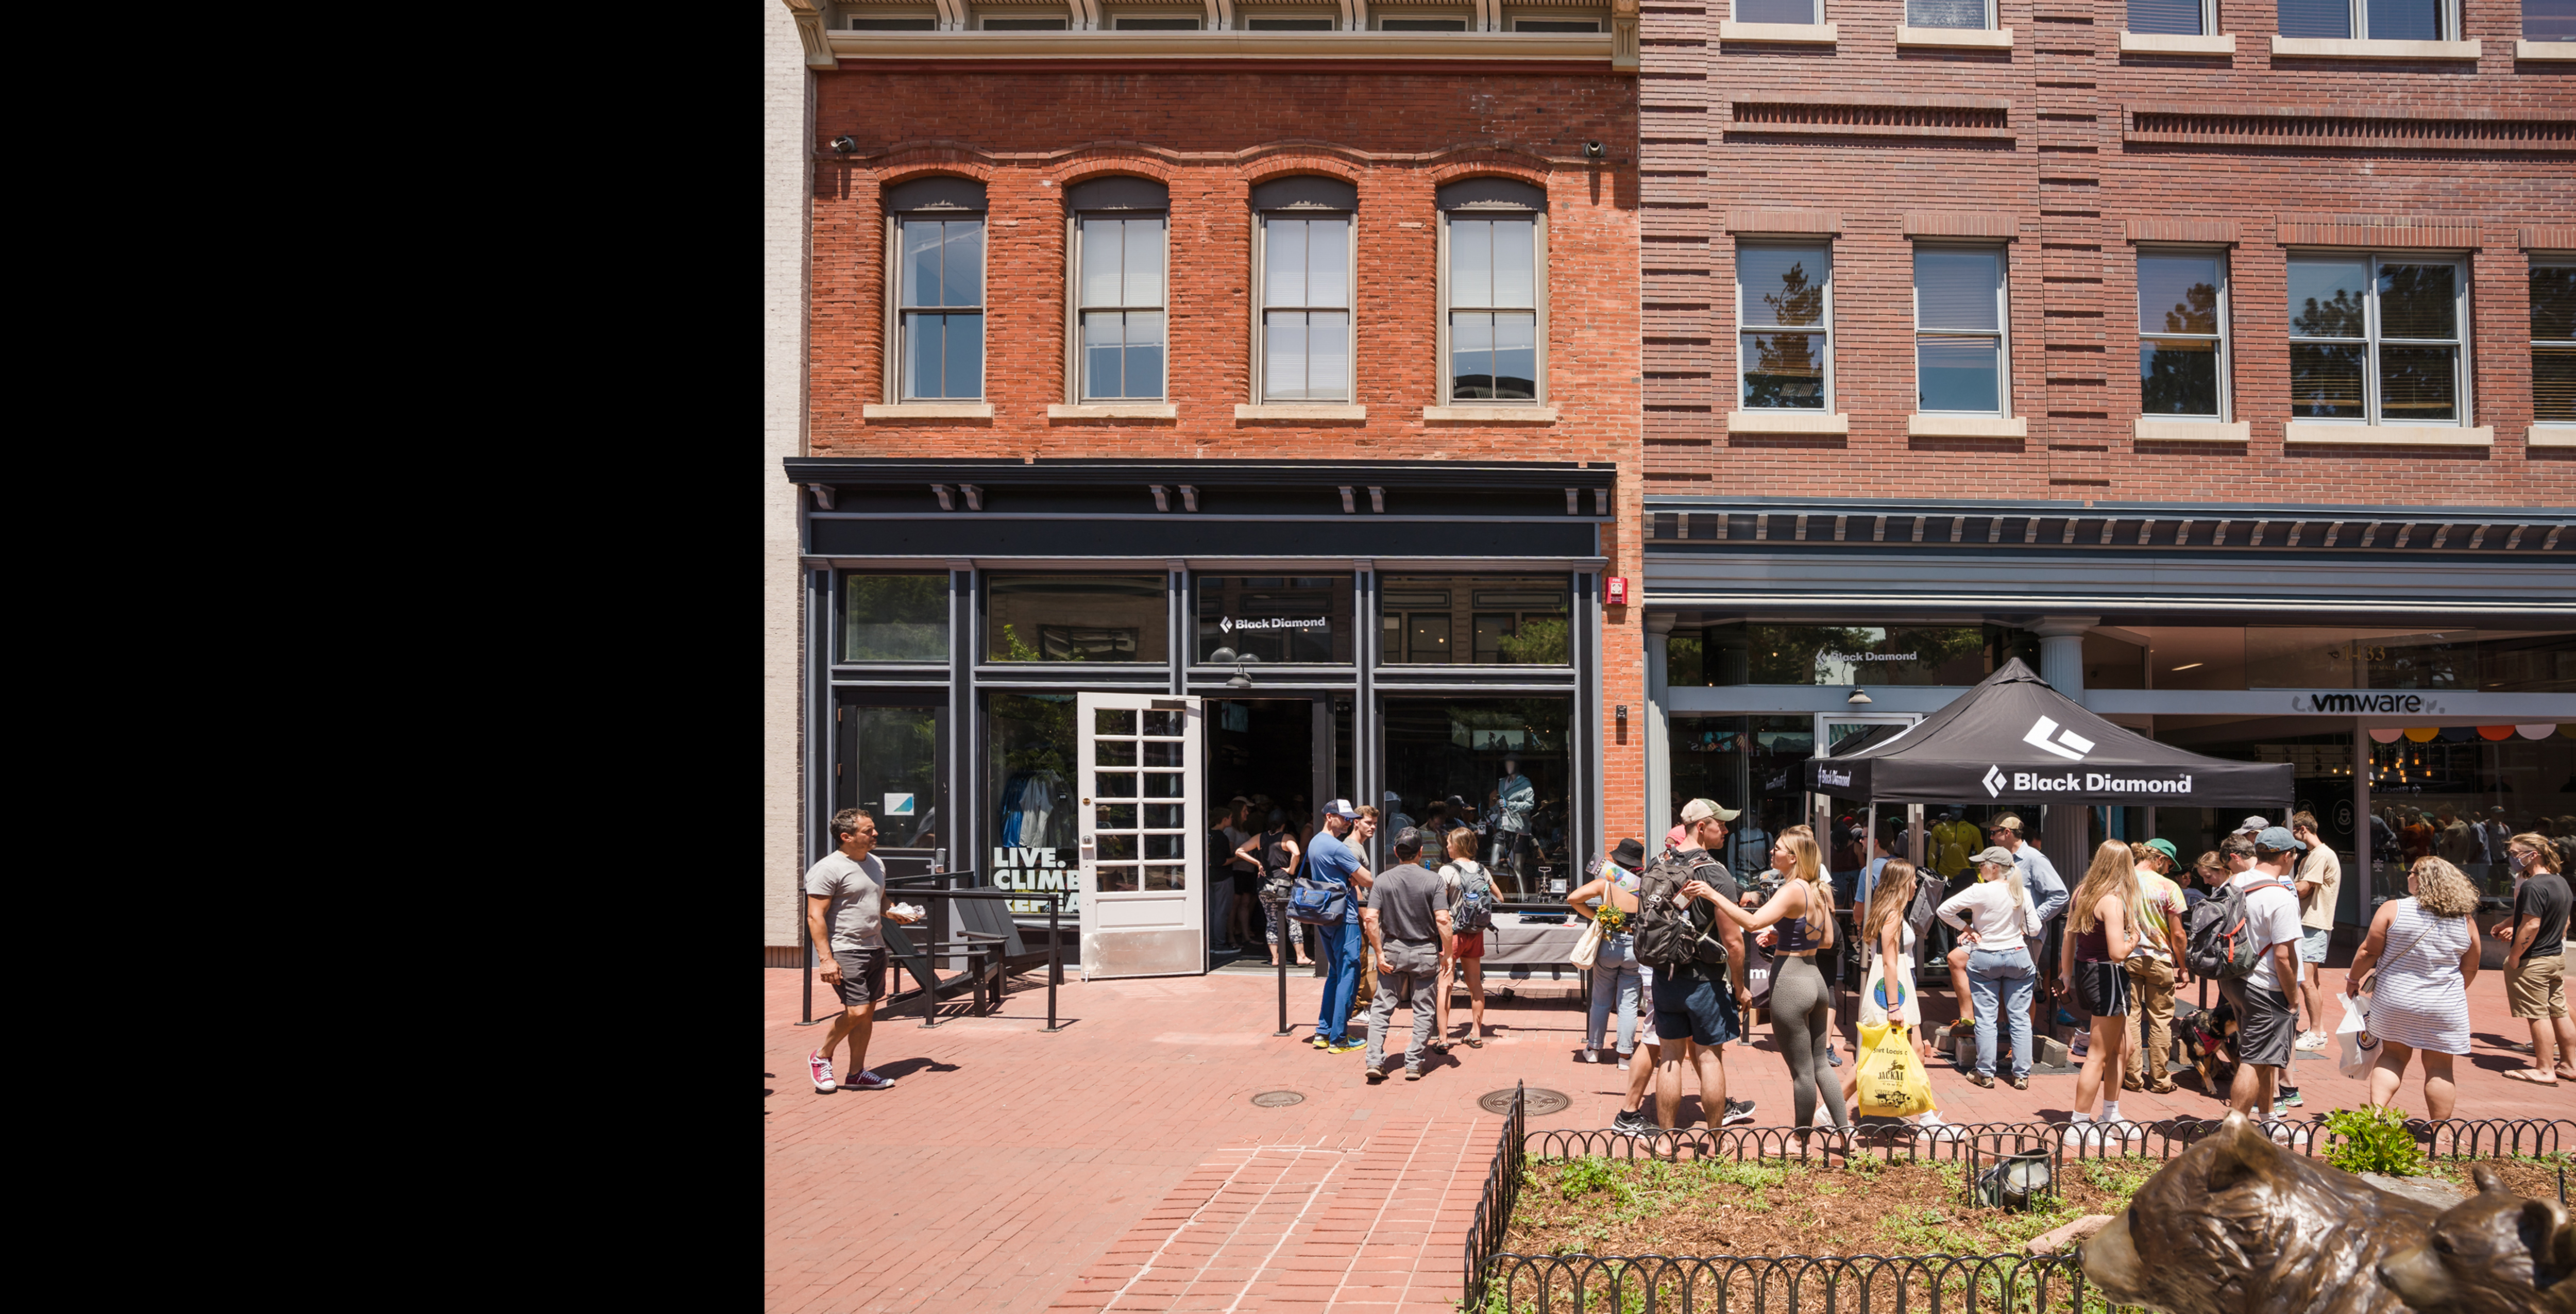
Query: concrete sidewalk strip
{"x": 1120, "y": 1164}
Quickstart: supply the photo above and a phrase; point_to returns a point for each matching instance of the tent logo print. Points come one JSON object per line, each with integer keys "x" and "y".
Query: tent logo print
{"x": 1226, "y": 623}
{"x": 1994, "y": 782}
{"x": 2068, "y": 745}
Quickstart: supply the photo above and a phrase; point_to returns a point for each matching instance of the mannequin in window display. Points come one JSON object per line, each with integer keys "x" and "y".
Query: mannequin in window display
{"x": 1513, "y": 798}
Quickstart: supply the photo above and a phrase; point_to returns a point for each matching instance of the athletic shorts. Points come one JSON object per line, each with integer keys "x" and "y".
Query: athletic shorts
{"x": 1697, "y": 1007}
{"x": 2265, "y": 1026}
{"x": 863, "y": 975}
{"x": 1467, "y": 944}
{"x": 2313, "y": 943}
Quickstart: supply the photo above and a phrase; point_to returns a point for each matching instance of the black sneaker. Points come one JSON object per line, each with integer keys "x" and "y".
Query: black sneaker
{"x": 1630, "y": 1123}
{"x": 1737, "y": 1111}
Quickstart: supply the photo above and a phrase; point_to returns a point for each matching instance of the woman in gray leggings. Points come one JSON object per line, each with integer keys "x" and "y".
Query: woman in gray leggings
{"x": 1800, "y": 995}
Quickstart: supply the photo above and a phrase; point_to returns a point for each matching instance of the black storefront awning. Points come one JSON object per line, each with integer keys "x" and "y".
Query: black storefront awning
{"x": 2013, "y": 738}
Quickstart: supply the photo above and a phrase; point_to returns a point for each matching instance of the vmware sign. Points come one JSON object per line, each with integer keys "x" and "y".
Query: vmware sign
{"x": 2363, "y": 702}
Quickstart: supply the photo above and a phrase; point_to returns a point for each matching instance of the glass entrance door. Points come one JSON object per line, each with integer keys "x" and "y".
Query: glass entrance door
{"x": 1844, "y": 825}
{"x": 1142, "y": 816}
{"x": 891, "y": 758}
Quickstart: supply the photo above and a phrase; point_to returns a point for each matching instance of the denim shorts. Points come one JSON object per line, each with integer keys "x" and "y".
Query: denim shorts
{"x": 1698, "y": 1007}
{"x": 2313, "y": 943}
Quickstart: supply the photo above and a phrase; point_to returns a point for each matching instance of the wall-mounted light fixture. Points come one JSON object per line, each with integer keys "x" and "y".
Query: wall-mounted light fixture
{"x": 1623, "y": 718}
{"x": 1859, "y": 697}
{"x": 1593, "y": 150}
{"x": 845, "y": 144}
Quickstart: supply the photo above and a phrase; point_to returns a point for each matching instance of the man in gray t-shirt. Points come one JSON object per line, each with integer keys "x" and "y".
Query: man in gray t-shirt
{"x": 844, "y": 906}
{"x": 1407, "y": 925}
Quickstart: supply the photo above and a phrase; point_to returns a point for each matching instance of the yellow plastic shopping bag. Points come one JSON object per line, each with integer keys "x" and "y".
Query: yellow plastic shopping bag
{"x": 1892, "y": 1080}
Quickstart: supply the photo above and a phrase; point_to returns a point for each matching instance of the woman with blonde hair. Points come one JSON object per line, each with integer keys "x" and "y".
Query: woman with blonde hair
{"x": 1800, "y": 997}
{"x": 2101, "y": 933}
{"x": 1888, "y": 942}
{"x": 2425, "y": 950}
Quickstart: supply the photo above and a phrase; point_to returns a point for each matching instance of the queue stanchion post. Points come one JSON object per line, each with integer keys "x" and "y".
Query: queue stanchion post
{"x": 805, "y": 942}
{"x": 1055, "y": 952}
{"x": 1279, "y": 915}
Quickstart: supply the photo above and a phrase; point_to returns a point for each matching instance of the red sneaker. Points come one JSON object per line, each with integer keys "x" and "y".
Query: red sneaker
{"x": 871, "y": 1081}
{"x": 821, "y": 1070}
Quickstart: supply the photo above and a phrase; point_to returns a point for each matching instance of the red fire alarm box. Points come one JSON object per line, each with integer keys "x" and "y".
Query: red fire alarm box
{"x": 1618, "y": 591}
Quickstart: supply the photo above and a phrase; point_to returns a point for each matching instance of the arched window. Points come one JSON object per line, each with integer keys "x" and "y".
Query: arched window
{"x": 935, "y": 235}
{"x": 1119, "y": 319}
{"x": 1303, "y": 301}
{"x": 1493, "y": 292}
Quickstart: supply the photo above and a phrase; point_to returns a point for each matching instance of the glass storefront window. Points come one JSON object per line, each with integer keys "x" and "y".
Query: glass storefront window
{"x": 1745, "y": 762}
{"x": 1028, "y": 782}
{"x": 1476, "y": 619}
{"x": 890, "y": 760}
{"x": 2342, "y": 657}
{"x": 1273, "y": 618}
{"x": 1077, "y": 618}
{"x": 1498, "y": 766}
{"x": 894, "y": 618}
{"x": 2322, "y": 785}
{"x": 2458, "y": 796}
{"x": 1741, "y": 653}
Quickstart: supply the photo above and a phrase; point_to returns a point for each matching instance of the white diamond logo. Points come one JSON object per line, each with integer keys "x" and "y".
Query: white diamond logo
{"x": 1994, "y": 782}
{"x": 1225, "y": 623}
{"x": 2068, "y": 745}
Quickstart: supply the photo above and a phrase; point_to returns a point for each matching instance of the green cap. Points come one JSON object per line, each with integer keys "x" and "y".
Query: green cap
{"x": 2166, "y": 848}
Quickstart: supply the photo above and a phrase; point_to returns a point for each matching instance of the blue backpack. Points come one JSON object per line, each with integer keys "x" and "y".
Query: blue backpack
{"x": 1475, "y": 910}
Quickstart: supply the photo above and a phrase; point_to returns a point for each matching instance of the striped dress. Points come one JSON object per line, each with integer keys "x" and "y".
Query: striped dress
{"x": 2419, "y": 1000}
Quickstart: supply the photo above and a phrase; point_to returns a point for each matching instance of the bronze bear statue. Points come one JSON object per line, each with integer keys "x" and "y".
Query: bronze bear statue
{"x": 2493, "y": 1253}
{"x": 2239, "y": 1225}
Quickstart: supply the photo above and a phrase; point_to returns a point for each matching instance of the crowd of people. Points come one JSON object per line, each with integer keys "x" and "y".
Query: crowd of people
{"x": 2121, "y": 950}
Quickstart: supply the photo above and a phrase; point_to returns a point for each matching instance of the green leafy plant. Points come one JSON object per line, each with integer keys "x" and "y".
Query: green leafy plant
{"x": 2373, "y": 1140}
{"x": 1586, "y": 1175}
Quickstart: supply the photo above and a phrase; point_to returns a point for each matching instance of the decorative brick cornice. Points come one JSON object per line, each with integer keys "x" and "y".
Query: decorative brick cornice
{"x": 2370, "y": 127}
{"x": 898, "y": 166}
{"x": 1960, "y": 223}
{"x": 1490, "y": 162}
{"x": 1822, "y": 114}
{"x": 2207, "y": 232}
{"x": 2546, "y": 237}
{"x": 1113, "y": 159}
{"x": 2442, "y": 232}
{"x": 1783, "y": 221}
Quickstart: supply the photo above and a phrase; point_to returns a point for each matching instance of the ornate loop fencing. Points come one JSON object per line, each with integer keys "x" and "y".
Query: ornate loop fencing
{"x": 1502, "y": 1191}
{"x": 1662, "y": 1284}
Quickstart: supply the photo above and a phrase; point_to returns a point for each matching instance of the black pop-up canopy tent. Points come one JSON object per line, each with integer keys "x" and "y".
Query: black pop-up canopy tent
{"x": 2015, "y": 738}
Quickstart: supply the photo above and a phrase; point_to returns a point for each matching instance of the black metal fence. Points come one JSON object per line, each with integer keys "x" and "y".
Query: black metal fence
{"x": 1499, "y": 1282}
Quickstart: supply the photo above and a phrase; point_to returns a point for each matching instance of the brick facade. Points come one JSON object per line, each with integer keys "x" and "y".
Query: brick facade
{"x": 2073, "y": 152}
{"x": 1210, "y": 136}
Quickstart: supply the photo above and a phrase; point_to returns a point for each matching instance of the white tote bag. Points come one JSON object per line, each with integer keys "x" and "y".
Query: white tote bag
{"x": 1587, "y": 948}
{"x": 2357, "y": 1049}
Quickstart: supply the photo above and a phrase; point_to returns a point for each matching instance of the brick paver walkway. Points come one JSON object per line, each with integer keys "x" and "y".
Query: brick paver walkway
{"x": 1120, "y": 1165}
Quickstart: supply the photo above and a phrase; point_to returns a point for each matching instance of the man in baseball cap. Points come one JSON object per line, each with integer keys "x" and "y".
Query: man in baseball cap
{"x": 1331, "y": 857}
{"x": 2154, "y": 968}
{"x": 2253, "y": 826}
{"x": 1700, "y": 809}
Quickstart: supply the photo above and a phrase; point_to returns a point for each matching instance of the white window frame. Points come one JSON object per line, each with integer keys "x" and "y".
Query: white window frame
{"x": 1078, "y": 365}
{"x": 1817, "y": 6}
{"x": 1538, "y": 294}
{"x": 2539, "y": 262}
{"x": 1745, "y": 325}
{"x": 2003, "y": 320}
{"x": 2208, "y": 21}
{"x": 2371, "y": 416}
{"x": 2225, "y": 336}
{"x": 899, "y": 315}
{"x": 2357, "y": 21}
{"x": 1261, "y": 307}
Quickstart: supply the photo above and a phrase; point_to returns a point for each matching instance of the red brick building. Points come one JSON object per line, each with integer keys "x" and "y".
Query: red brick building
{"x": 1294, "y": 370}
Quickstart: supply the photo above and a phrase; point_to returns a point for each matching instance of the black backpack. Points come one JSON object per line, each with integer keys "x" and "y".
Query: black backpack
{"x": 2219, "y": 945}
{"x": 1671, "y": 934}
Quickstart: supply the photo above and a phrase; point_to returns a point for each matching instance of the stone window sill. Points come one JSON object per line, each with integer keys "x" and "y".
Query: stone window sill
{"x": 2406, "y": 435}
{"x": 1805, "y": 34}
{"x": 1925, "y": 425}
{"x": 2154, "y": 430}
{"x": 1783, "y": 421}
{"x": 929, "y": 411}
{"x": 2544, "y": 49}
{"x": 1970, "y": 38}
{"x": 2163, "y": 43}
{"x": 1300, "y": 411}
{"x": 2550, "y": 435}
{"x": 2327, "y": 48}
{"x": 1114, "y": 411}
{"x": 1492, "y": 414}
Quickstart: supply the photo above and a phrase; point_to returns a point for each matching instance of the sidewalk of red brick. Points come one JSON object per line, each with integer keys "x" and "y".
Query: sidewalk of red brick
{"x": 1120, "y": 1165}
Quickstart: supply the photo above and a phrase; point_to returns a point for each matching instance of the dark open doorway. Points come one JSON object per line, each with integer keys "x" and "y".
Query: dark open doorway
{"x": 1263, "y": 751}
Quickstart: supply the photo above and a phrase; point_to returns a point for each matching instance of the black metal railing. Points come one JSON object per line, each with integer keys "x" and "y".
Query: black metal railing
{"x": 1665, "y": 1284}
{"x": 1502, "y": 1192}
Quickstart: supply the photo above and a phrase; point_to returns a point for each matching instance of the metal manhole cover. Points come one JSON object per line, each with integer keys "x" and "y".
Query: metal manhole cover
{"x": 1277, "y": 1099}
{"x": 1541, "y": 1102}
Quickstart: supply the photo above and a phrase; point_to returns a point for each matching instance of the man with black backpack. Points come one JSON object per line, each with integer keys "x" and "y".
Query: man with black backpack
{"x": 2245, "y": 936}
{"x": 1698, "y": 962}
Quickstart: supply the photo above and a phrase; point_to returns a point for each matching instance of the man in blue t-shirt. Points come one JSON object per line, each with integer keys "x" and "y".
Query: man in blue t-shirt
{"x": 1333, "y": 858}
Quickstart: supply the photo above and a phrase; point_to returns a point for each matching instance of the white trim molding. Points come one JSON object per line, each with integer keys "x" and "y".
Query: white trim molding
{"x": 1491, "y": 414}
{"x": 928, "y": 411}
{"x": 1114, "y": 411}
{"x": 2544, "y": 49}
{"x": 1296, "y": 411}
{"x": 1768, "y": 420}
{"x": 1930, "y": 424}
{"x": 2152, "y": 429}
{"x": 2333, "y": 48}
{"x": 1970, "y": 38}
{"x": 2165, "y": 43}
{"x": 2405, "y": 435}
{"x": 2550, "y": 435}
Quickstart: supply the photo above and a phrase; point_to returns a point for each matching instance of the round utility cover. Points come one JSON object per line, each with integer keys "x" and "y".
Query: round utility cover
{"x": 1277, "y": 1099}
{"x": 1541, "y": 1102}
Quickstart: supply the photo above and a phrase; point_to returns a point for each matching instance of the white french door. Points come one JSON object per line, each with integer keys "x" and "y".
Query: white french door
{"x": 1142, "y": 825}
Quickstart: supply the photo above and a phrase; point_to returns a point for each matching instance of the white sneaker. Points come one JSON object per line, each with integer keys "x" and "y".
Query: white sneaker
{"x": 1591, "y": 1056}
{"x": 2313, "y": 1040}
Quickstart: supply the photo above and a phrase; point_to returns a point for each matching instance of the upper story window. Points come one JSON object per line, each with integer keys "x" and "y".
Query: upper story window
{"x": 1556, "y": 25}
{"x": 1404, "y": 24}
{"x": 2182, "y": 334}
{"x": 894, "y": 618}
{"x": 1493, "y": 287}
{"x": 1303, "y": 249}
{"x": 937, "y": 236}
{"x": 2375, "y": 339}
{"x": 1784, "y": 310}
{"x": 1801, "y": 12}
{"x": 1959, "y": 335}
{"x": 1118, "y": 238}
{"x": 1156, "y": 23}
{"x": 2174, "y": 17}
{"x": 1313, "y": 23}
{"x": 898, "y": 23}
{"x": 1021, "y": 23}
{"x": 1950, "y": 13}
{"x": 2375, "y": 20}
{"x": 2549, "y": 20}
{"x": 2553, "y": 342}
